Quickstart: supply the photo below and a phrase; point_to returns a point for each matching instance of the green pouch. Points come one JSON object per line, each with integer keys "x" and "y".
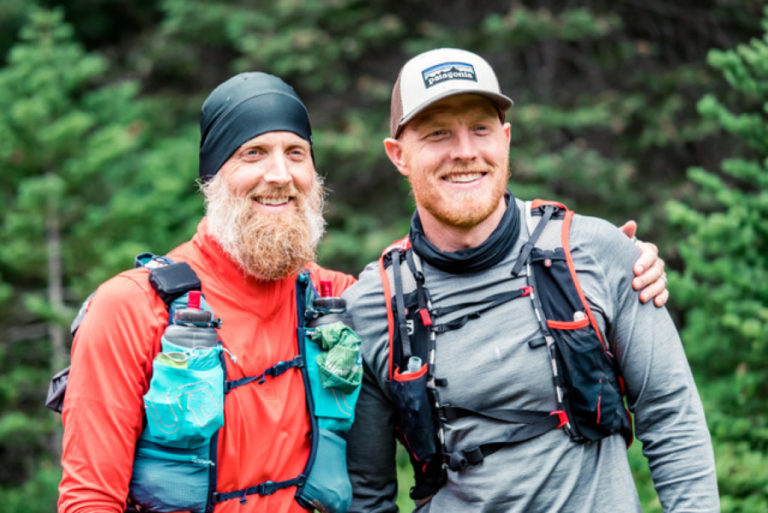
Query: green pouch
{"x": 334, "y": 407}
{"x": 339, "y": 365}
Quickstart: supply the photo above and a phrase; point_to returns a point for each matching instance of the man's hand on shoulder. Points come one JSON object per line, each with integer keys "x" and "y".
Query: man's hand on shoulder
{"x": 650, "y": 277}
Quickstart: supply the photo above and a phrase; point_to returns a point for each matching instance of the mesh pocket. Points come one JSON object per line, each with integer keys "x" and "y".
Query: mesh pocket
{"x": 591, "y": 386}
{"x": 414, "y": 413}
{"x": 166, "y": 479}
{"x": 334, "y": 408}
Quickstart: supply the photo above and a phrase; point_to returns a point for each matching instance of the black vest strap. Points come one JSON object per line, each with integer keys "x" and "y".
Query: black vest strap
{"x": 489, "y": 303}
{"x": 532, "y": 424}
{"x": 265, "y": 488}
{"x": 511, "y": 415}
{"x": 173, "y": 281}
{"x": 402, "y": 327}
{"x": 421, "y": 291}
{"x": 549, "y": 210}
{"x": 274, "y": 371}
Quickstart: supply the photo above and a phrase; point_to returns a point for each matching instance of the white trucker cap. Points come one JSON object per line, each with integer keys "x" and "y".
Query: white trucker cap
{"x": 437, "y": 74}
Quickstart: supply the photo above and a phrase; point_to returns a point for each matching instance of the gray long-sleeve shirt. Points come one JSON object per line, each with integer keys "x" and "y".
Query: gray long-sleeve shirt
{"x": 488, "y": 365}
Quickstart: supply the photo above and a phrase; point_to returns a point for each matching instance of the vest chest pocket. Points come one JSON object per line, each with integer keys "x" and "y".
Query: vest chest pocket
{"x": 184, "y": 408}
{"x": 411, "y": 401}
{"x": 184, "y": 405}
{"x": 334, "y": 405}
{"x": 166, "y": 479}
{"x": 592, "y": 389}
{"x": 589, "y": 375}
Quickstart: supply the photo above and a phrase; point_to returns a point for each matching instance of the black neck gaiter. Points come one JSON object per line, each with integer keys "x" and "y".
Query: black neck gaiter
{"x": 486, "y": 255}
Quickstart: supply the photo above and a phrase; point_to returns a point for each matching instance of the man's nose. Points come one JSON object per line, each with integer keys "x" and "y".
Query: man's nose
{"x": 463, "y": 147}
{"x": 278, "y": 172}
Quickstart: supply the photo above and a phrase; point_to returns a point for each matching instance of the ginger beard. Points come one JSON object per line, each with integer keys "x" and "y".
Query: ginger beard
{"x": 459, "y": 209}
{"x": 268, "y": 247}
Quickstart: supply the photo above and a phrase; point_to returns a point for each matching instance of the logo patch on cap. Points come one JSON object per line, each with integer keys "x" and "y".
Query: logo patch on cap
{"x": 448, "y": 71}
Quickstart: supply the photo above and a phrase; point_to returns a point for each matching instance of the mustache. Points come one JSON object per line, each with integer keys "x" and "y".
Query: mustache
{"x": 274, "y": 191}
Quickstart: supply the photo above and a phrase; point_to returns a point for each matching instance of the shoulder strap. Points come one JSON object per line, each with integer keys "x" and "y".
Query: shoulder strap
{"x": 535, "y": 232}
{"x": 169, "y": 280}
{"x": 402, "y": 327}
{"x": 173, "y": 281}
{"x": 390, "y": 258}
{"x": 556, "y": 233}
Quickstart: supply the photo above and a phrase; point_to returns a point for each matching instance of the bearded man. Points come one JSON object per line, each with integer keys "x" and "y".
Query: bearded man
{"x": 501, "y": 336}
{"x": 264, "y": 219}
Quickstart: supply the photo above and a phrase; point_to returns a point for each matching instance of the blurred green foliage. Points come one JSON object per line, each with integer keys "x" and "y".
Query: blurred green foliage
{"x": 724, "y": 286}
{"x": 98, "y": 141}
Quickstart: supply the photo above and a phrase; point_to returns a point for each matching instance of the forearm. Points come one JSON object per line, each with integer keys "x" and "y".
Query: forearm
{"x": 669, "y": 417}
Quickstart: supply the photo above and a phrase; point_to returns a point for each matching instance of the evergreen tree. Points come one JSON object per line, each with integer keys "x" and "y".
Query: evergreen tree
{"x": 604, "y": 119}
{"x": 604, "y": 93}
{"x": 80, "y": 188}
{"x": 725, "y": 282}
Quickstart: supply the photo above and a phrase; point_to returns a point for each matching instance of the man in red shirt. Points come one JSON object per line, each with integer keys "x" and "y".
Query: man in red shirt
{"x": 264, "y": 218}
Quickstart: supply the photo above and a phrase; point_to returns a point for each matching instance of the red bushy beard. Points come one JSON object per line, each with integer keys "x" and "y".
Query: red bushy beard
{"x": 268, "y": 247}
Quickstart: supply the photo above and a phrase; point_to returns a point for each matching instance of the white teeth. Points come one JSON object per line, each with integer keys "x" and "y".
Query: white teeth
{"x": 463, "y": 177}
{"x": 273, "y": 201}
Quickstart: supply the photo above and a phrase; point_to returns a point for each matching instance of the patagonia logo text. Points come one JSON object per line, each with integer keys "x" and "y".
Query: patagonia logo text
{"x": 448, "y": 71}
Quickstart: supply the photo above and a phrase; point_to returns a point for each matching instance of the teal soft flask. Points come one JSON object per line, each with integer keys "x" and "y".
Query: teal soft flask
{"x": 334, "y": 369}
{"x": 185, "y": 402}
{"x": 327, "y": 487}
{"x": 184, "y": 410}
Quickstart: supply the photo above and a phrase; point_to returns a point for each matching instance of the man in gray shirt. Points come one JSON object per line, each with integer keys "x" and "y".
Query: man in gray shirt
{"x": 450, "y": 139}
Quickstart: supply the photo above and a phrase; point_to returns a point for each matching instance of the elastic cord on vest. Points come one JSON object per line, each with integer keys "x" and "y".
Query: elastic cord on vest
{"x": 481, "y": 257}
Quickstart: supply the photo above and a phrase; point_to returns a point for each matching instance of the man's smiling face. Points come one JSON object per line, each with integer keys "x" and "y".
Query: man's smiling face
{"x": 455, "y": 154}
{"x": 265, "y": 205}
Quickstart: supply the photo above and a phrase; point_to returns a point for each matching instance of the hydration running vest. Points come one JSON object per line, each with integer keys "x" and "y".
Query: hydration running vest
{"x": 175, "y": 462}
{"x": 587, "y": 383}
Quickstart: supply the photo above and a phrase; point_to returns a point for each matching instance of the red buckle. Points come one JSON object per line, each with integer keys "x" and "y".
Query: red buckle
{"x": 425, "y": 318}
{"x": 562, "y": 416}
{"x": 527, "y": 291}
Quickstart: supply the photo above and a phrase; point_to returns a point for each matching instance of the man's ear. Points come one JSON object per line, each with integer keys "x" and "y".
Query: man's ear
{"x": 395, "y": 153}
{"x": 508, "y": 131}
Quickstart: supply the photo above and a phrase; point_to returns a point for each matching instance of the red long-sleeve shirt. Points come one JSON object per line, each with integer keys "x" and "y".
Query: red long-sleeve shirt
{"x": 265, "y": 426}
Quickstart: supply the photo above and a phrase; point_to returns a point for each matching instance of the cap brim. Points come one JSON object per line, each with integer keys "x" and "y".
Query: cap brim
{"x": 501, "y": 102}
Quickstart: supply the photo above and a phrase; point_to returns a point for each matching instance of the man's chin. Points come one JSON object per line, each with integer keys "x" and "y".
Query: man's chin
{"x": 463, "y": 216}
{"x": 275, "y": 275}
{"x": 268, "y": 242}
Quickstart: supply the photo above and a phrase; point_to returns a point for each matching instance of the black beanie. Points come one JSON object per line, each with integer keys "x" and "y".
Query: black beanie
{"x": 247, "y": 105}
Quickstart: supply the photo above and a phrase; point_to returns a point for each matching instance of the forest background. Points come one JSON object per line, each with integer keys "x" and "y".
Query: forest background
{"x": 649, "y": 109}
